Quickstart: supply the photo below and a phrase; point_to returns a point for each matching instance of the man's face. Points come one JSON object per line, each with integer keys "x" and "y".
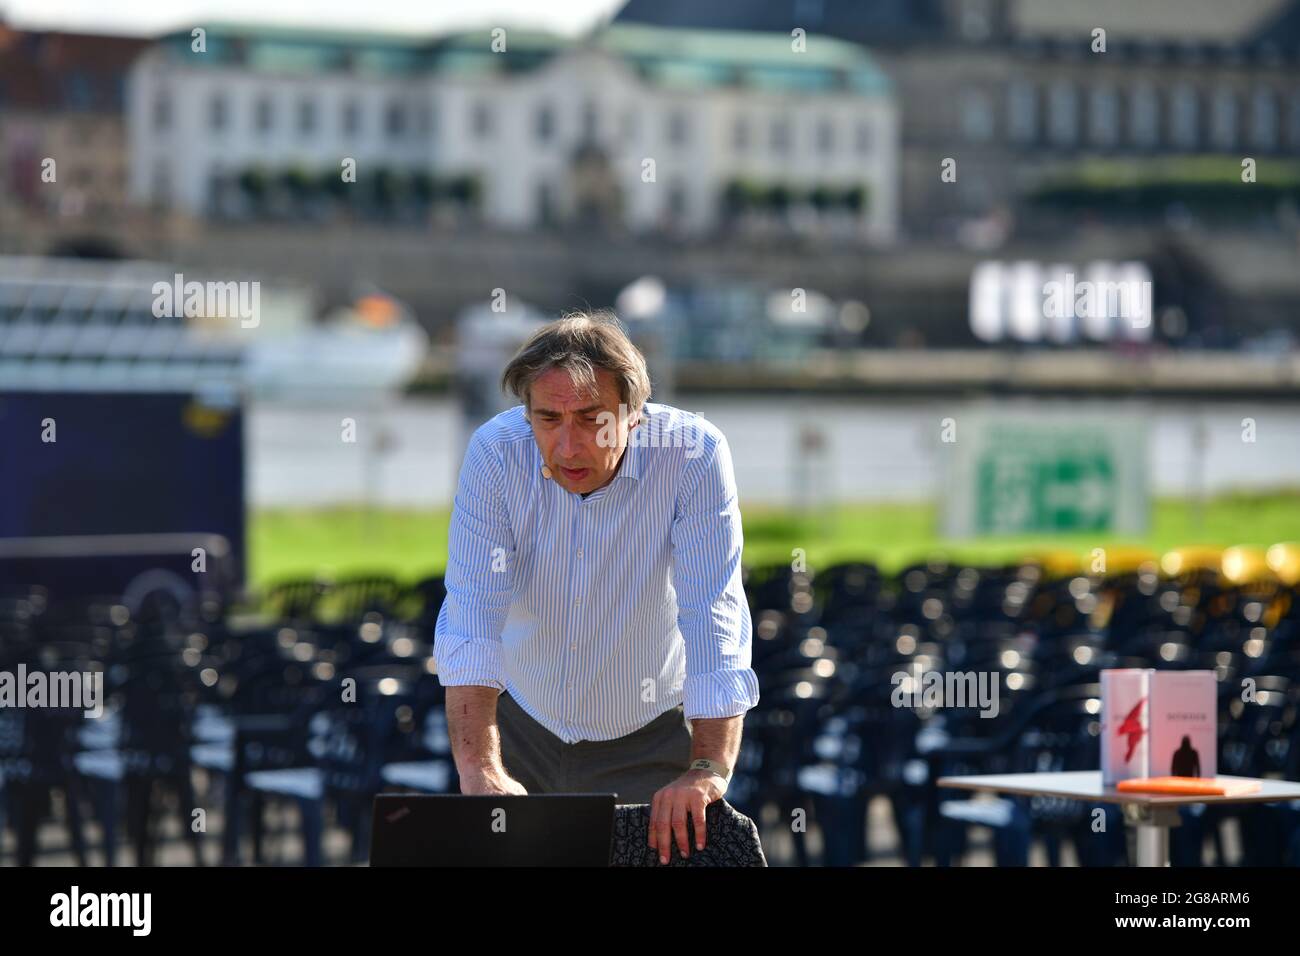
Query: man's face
{"x": 581, "y": 436}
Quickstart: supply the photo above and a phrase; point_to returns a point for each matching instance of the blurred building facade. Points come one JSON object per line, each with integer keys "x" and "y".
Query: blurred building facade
{"x": 751, "y": 142}
{"x": 1016, "y": 91}
{"x": 61, "y": 98}
{"x": 631, "y": 127}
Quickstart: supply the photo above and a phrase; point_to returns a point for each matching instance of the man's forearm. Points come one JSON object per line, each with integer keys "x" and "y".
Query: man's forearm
{"x": 472, "y": 728}
{"x": 717, "y": 738}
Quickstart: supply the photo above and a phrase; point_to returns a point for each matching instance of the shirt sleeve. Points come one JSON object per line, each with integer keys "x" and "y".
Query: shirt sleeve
{"x": 479, "y": 575}
{"x": 712, "y": 612}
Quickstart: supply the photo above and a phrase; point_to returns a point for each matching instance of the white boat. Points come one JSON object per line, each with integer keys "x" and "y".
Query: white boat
{"x": 91, "y": 325}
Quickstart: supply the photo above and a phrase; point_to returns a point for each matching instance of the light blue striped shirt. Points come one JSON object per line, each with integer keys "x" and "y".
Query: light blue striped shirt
{"x": 598, "y": 614}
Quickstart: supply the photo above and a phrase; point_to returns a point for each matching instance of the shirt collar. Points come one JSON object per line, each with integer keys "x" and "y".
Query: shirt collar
{"x": 631, "y": 465}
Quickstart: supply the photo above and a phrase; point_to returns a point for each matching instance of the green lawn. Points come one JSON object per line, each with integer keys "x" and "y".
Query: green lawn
{"x": 409, "y": 544}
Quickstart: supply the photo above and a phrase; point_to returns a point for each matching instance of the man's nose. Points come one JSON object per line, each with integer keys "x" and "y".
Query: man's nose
{"x": 566, "y": 444}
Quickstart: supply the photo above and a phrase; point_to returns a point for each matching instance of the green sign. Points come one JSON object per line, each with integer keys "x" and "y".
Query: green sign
{"x": 1043, "y": 484}
{"x": 1045, "y": 472}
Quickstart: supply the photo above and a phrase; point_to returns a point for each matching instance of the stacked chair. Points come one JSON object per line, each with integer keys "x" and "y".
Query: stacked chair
{"x": 282, "y": 717}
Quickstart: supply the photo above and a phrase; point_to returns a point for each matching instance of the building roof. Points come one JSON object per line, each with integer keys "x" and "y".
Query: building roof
{"x": 893, "y": 23}
{"x": 874, "y": 23}
{"x": 666, "y": 57}
{"x": 1283, "y": 28}
{"x": 50, "y": 70}
{"x": 283, "y": 49}
{"x": 734, "y": 57}
{"x": 1193, "y": 21}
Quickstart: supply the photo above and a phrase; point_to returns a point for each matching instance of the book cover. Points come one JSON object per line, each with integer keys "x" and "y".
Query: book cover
{"x": 1184, "y": 712}
{"x": 1125, "y": 724}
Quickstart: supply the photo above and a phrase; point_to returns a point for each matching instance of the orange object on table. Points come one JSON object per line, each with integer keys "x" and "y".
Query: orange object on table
{"x": 1184, "y": 786}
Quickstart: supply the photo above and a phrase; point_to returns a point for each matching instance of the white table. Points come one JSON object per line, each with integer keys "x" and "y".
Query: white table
{"x": 1151, "y": 814}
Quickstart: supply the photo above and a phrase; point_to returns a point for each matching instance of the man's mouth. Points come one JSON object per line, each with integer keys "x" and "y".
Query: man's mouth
{"x": 573, "y": 474}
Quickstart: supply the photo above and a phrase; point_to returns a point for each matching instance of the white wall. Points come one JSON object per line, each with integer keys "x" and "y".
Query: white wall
{"x": 876, "y": 450}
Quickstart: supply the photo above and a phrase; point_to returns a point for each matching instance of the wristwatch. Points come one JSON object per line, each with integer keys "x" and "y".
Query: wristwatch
{"x": 713, "y": 767}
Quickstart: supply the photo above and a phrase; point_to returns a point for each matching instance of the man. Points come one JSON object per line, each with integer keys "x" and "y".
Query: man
{"x": 595, "y": 636}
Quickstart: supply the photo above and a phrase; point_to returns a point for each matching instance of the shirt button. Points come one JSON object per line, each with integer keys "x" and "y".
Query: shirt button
{"x": 573, "y": 647}
{"x": 579, "y": 552}
{"x": 579, "y": 601}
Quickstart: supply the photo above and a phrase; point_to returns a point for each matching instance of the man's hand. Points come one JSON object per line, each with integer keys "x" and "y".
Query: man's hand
{"x": 688, "y": 795}
{"x": 490, "y": 782}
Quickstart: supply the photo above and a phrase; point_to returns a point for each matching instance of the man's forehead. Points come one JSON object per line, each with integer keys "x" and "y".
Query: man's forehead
{"x": 558, "y": 392}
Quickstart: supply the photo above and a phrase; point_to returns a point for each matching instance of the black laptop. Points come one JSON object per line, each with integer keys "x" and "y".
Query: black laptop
{"x": 543, "y": 829}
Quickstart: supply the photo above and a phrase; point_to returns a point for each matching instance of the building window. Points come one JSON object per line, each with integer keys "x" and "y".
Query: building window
{"x": 976, "y": 22}
{"x": 545, "y": 124}
{"x": 351, "y": 118}
{"x": 825, "y": 137}
{"x": 1144, "y": 117}
{"x": 1022, "y": 112}
{"x": 740, "y": 134}
{"x": 1103, "y": 116}
{"x": 864, "y": 137}
{"x": 216, "y": 189}
{"x": 1263, "y": 118}
{"x": 809, "y": 12}
{"x": 77, "y": 92}
{"x": 976, "y": 116}
{"x": 780, "y": 135}
{"x": 217, "y": 112}
{"x": 546, "y": 213}
{"x": 306, "y": 116}
{"x": 480, "y": 121}
{"x": 395, "y": 120}
{"x": 1063, "y": 114}
{"x": 678, "y": 130}
{"x": 976, "y": 191}
{"x": 162, "y": 183}
{"x": 162, "y": 111}
{"x": 677, "y": 199}
{"x": 1223, "y": 119}
{"x": 263, "y": 116}
{"x": 1184, "y": 114}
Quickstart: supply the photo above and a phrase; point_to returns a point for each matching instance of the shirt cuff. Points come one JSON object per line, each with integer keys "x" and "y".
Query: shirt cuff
{"x": 722, "y": 693}
{"x": 472, "y": 662}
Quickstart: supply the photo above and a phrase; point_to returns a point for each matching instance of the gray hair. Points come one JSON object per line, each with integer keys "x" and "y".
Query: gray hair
{"x": 580, "y": 343}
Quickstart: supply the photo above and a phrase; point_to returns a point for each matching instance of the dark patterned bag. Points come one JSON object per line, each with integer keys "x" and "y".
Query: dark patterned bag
{"x": 731, "y": 839}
